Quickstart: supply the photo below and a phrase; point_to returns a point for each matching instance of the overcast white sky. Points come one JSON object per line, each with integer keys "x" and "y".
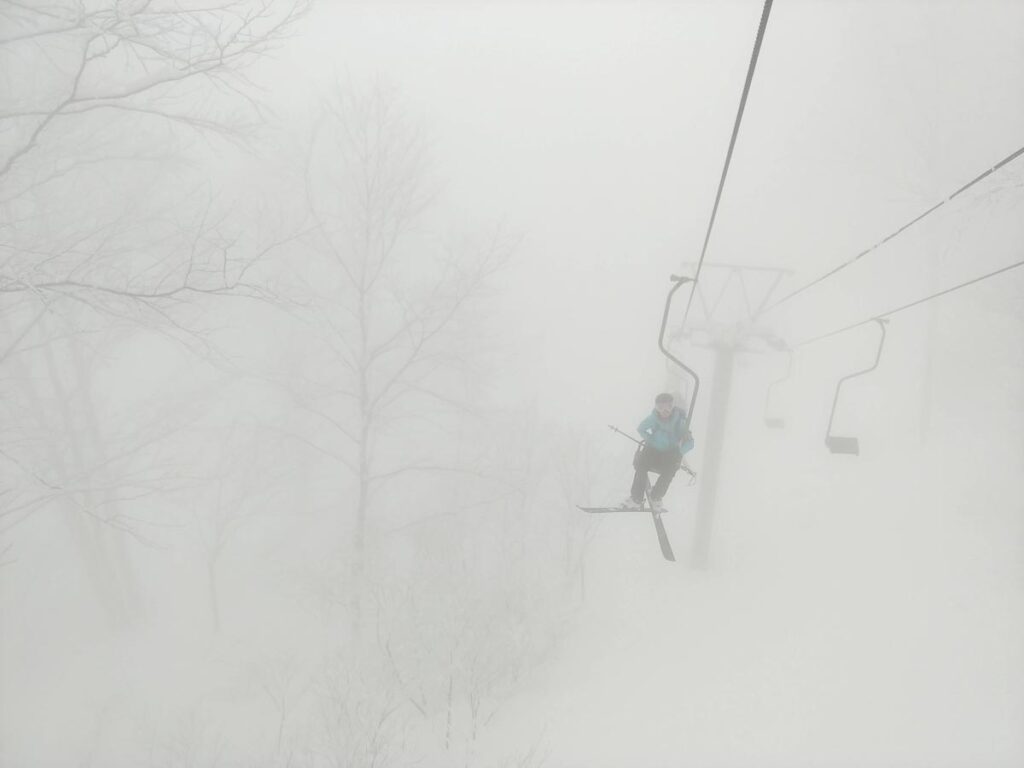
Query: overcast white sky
{"x": 598, "y": 131}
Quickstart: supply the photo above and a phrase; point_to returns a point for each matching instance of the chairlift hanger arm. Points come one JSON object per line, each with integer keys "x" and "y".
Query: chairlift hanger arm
{"x": 776, "y": 422}
{"x": 679, "y": 282}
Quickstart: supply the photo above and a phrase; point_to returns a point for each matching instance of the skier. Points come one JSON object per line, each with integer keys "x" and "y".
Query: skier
{"x": 665, "y": 441}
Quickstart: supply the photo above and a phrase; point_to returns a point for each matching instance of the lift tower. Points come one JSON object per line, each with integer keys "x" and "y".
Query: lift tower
{"x": 738, "y": 292}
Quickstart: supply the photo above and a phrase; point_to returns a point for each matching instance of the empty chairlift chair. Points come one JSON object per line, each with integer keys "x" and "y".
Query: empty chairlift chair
{"x": 850, "y": 445}
{"x": 777, "y": 422}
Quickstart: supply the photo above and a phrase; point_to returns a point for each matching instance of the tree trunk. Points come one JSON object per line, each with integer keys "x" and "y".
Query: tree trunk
{"x": 85, "y": 529}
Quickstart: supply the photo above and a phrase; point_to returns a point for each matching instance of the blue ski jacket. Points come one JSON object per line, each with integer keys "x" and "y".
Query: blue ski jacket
{"x": 666, "y": 434}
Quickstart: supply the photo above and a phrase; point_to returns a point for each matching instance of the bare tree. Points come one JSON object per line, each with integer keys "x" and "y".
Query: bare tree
{"x": 105, "y": 107}
{"x": 105, "y": 222}
{"x": 242, "y": 483}
{"x": 578, "y": 472}
{"x": 484, "y": 600}
{"x": 359, "y": 717}
{"x": 139, "y": 57}
{"x": 391, "y": 308}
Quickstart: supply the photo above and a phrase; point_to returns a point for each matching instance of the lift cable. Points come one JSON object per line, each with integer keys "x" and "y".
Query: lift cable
{"x": 732, "y": 143}
{"x": 911, "y": 304}
{"x": 964, "y": 188}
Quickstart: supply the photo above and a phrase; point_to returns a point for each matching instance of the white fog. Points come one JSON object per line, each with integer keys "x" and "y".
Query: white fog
{"x": 315, "y": 317}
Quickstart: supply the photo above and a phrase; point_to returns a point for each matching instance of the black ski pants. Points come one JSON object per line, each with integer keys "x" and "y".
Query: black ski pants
{"x": 665, "y": 463}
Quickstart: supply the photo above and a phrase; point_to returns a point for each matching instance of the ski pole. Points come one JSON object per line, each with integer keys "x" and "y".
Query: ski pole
{"x": 613, "y": 428}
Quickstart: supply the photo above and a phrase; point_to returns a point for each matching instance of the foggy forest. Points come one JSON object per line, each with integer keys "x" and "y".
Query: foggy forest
{"x": 511, "y": 384}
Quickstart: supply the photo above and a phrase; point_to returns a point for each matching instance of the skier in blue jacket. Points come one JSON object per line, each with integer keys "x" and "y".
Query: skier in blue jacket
{"x": 665, "y": 440}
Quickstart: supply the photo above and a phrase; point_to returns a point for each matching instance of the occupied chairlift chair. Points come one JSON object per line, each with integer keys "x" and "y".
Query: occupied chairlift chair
{"x": 850, "y": 445}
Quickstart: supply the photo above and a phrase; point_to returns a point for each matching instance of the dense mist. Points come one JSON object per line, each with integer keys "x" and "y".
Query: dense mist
{"x": 314, "y": 317}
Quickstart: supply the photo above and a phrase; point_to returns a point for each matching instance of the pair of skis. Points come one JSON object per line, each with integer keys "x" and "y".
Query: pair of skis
{"x": 659, "y": 526}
